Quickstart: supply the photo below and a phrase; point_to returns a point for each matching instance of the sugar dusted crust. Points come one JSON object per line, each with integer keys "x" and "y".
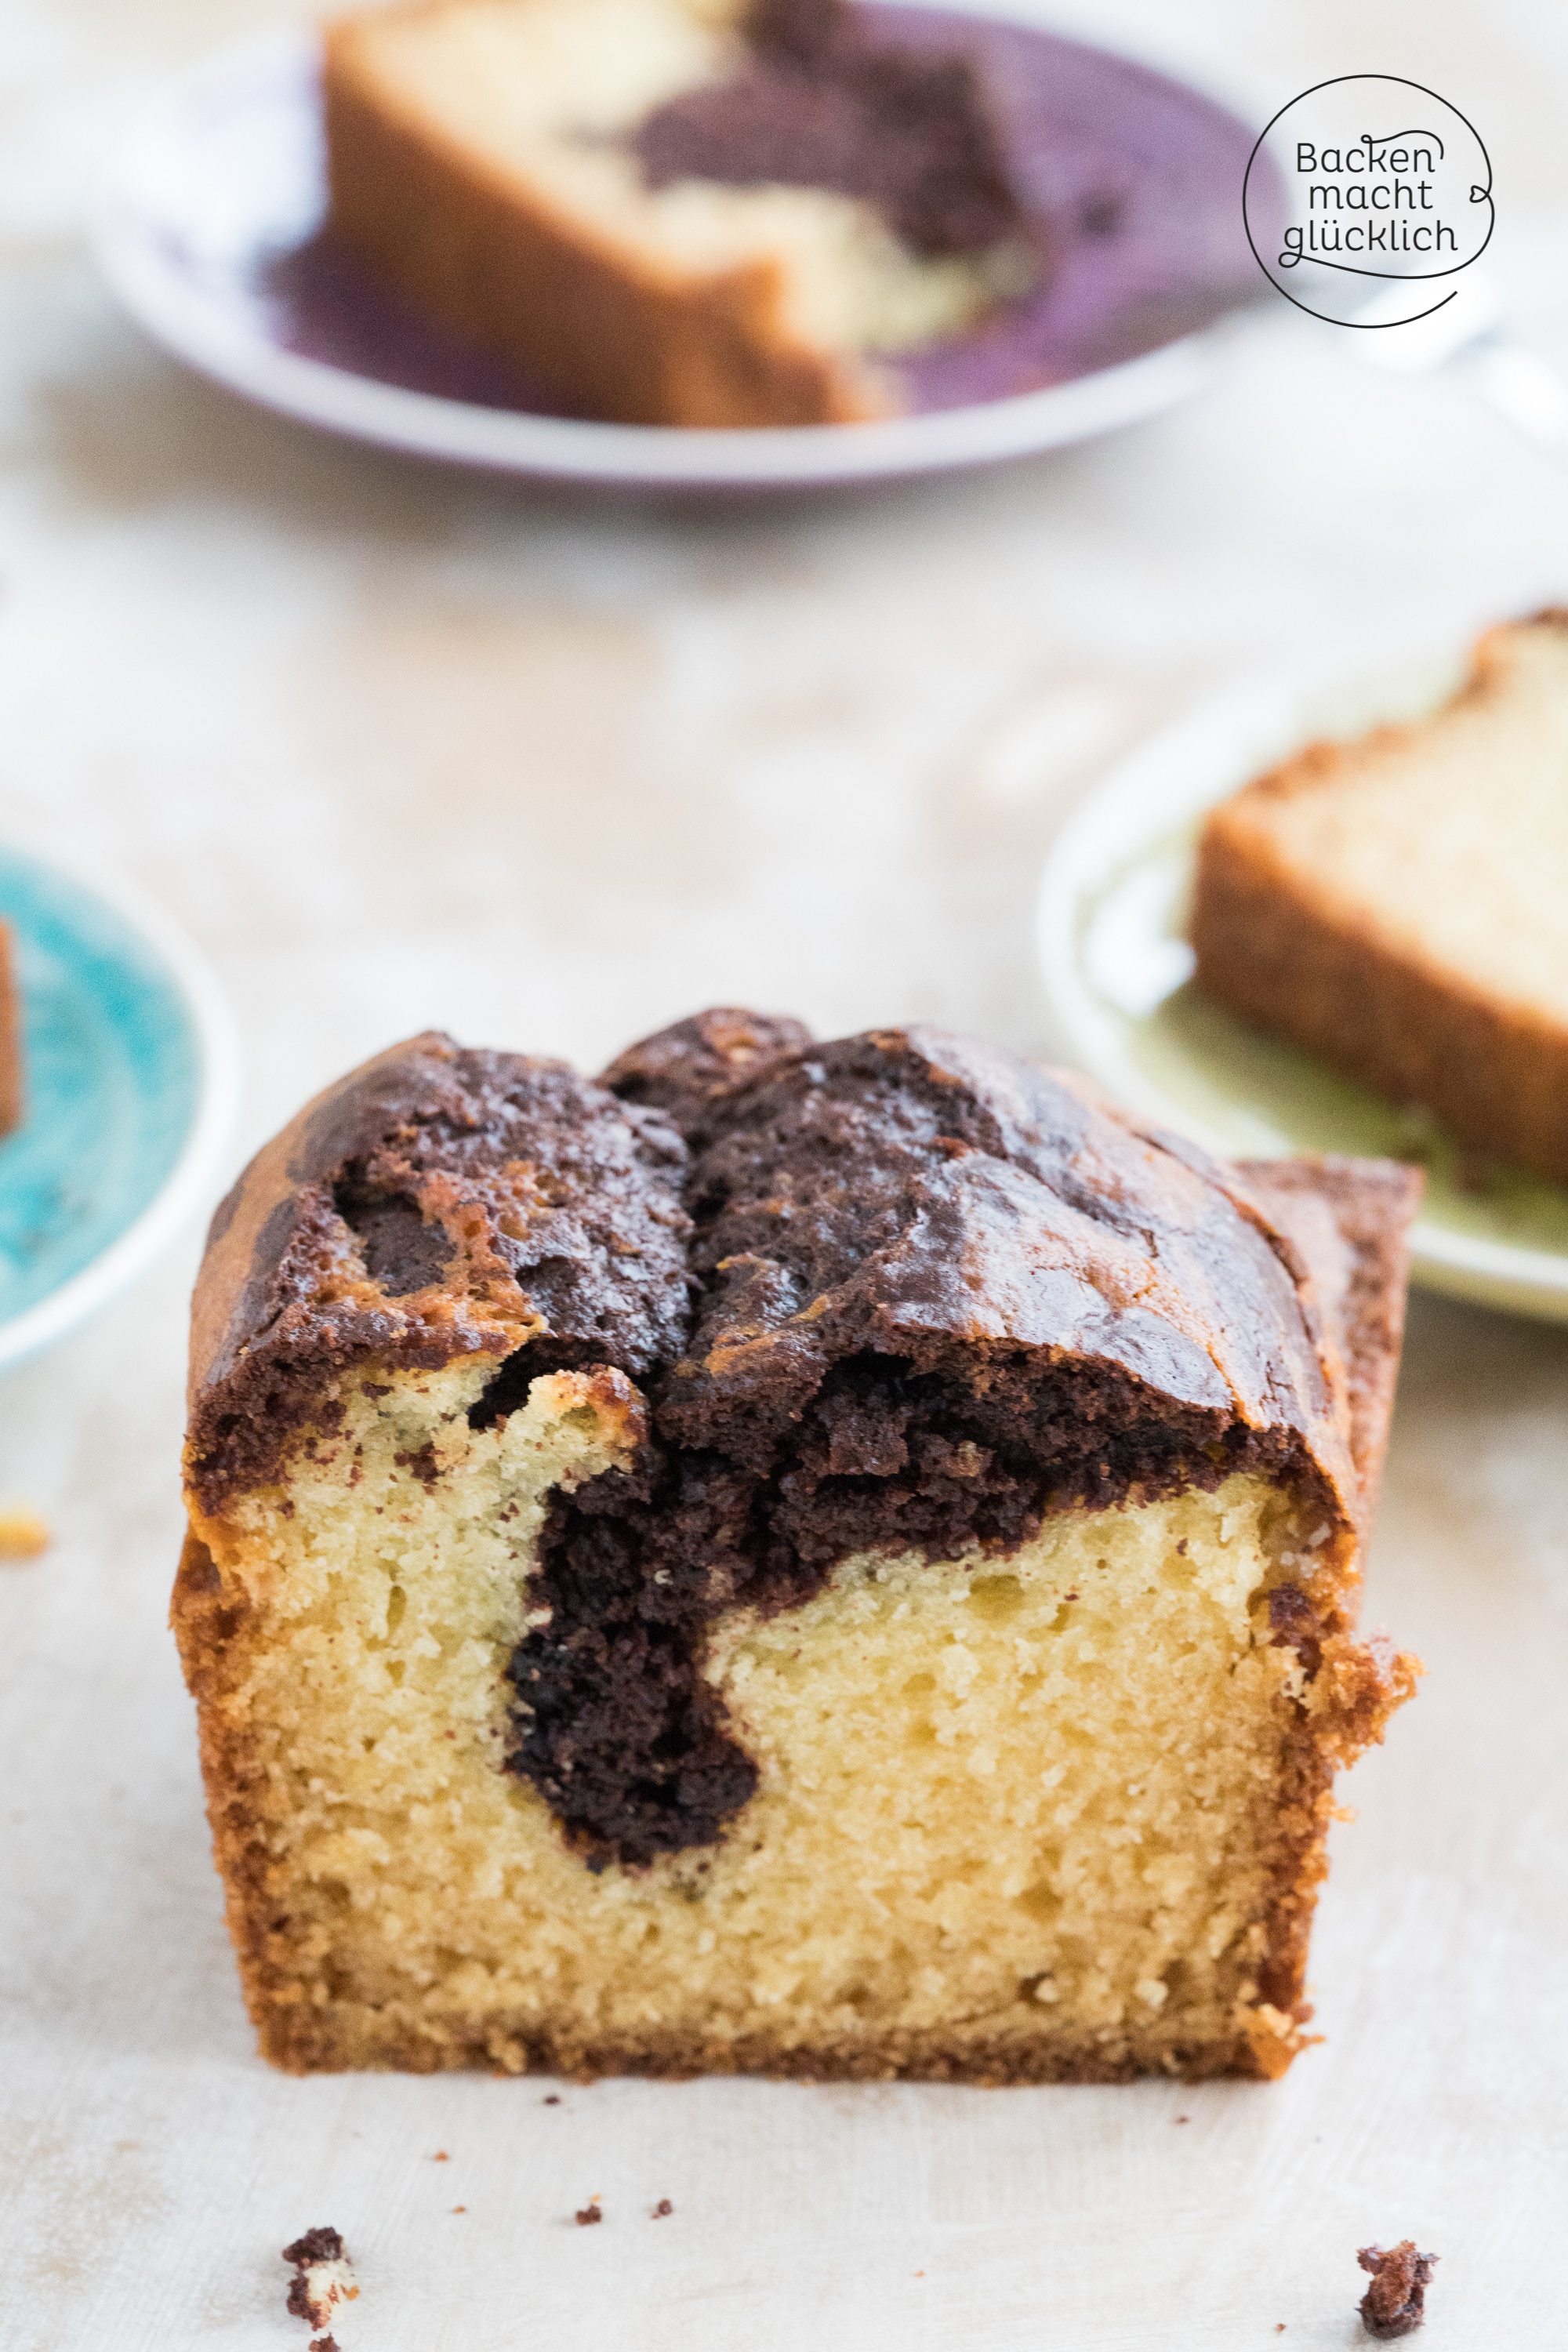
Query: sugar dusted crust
{"x": 1349, "y": 901}
{"x": 1078, "y": 1831}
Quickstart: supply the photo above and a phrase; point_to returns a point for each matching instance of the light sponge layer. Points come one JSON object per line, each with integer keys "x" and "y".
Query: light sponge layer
{"x": 1019, "y": 1817}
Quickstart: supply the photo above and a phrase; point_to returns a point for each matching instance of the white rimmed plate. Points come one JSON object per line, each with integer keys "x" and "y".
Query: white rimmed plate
{"x": 1111, "y": 925}
{"x": 210, "y": 232}
{"x": 131, "y": 1089}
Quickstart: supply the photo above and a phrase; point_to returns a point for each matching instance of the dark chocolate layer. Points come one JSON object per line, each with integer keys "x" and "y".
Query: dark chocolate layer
{"x": 821, "y": 105}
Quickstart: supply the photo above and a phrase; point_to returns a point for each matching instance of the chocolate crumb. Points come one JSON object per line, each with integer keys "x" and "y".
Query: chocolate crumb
{"x": 588, "y": 2214}
{"x": 324, "y": 2344}
{"x": 662, "y": 2208}
{"x": 322, "y": 2278}
{"x": 1395, "y": 2303}
{"x": 553, "y": 2101}
{"x": 1183, "y": 2119}
{"x": 315, "y": 2246}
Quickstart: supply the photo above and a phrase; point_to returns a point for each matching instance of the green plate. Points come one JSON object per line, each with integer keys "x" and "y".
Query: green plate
{"x": 1117, "y": 971}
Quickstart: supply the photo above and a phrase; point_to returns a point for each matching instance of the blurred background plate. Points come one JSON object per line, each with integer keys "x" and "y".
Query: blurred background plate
{"x": 210, "y": 233}
{"x": 1110, "y": 935}
{"x": 131, "y": 1091}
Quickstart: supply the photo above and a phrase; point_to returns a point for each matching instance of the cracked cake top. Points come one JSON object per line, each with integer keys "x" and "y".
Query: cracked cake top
{"x": 736, "y": 1209}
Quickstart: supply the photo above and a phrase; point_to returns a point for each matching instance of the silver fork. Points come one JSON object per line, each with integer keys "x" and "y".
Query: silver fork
{"x": 1468, "y": 335}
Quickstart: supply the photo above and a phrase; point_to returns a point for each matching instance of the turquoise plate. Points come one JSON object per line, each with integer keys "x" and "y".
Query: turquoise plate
{"x": 1112, "y": 952}
{"x": 130, "y": 1094}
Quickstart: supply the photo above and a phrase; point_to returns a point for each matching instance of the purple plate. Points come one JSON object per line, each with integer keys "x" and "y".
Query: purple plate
{"x": 211, "y": 233}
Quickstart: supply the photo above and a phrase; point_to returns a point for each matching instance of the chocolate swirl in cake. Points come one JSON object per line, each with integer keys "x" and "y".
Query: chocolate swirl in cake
{"x": 938, "y": 1296}
{"x": 822, "y": 104}
{"x": 895, "y": 1294}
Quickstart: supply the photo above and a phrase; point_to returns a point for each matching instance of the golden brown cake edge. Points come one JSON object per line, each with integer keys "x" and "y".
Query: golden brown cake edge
{"x": 1359, "y": 1685}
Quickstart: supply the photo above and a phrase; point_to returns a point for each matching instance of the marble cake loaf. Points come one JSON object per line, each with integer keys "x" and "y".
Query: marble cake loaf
{"x": 833, "y": 1560}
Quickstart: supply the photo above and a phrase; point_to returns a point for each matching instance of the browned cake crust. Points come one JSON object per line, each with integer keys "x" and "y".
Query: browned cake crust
{"x": 1351, "y": 1221}
{"x": 1097, "y": 1314}
{"x": 10, "y": 1036}
{"x": 1351, "y": 1218}
{"x": 1272, "y": 948}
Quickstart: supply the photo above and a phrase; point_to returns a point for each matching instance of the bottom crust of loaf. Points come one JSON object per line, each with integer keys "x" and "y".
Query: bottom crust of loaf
{"x": 345, "y": 2045}
{"x": 1053, "y": 1816}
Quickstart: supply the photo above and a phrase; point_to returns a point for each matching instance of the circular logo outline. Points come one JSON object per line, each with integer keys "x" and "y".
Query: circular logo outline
{"x": 1398, "y": 277}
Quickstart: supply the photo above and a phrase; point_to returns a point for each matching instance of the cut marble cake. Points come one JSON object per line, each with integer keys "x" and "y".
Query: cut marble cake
{"x": 832, "y": 1560}
{"x": 1396, "y": 905}
{"x": 679, "y": 212}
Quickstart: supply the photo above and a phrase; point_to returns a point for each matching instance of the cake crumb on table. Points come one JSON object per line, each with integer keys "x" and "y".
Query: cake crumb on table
{"x": 1395, "y": 2303}
{"x": 325, "y": 2344}
{"x": 588, "y": 2214}
{"x": 553, "y": 2100}
{"x": 23, "y": 1534}
{"x": 663, "y": 2209}
{"x": 322, "y": 2276}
